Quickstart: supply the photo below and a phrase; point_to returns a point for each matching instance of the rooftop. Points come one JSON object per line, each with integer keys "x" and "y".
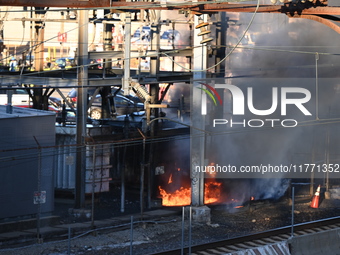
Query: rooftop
{"x": 22, "y": 112}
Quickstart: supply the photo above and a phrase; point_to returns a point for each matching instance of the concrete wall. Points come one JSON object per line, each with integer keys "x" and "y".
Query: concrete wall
{"x": 327, "y": 242}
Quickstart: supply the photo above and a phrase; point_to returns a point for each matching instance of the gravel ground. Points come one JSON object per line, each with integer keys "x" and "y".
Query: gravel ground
{"x": 151, "y": 237}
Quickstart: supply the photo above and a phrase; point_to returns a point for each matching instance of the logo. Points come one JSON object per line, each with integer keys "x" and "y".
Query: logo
{"x": 210, "y": 91}
{"x": 300, "y": 97}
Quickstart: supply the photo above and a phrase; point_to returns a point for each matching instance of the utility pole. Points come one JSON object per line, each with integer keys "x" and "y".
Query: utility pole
{"x": 39, "y": 40}
{"x": 154, "y": 93}
{"x": 62, "y": 33}
{"x": 198, "y": 120}
{"x": 127, "y": 53}
{"x": 38, "y": 99}
{"x": 81, "y": 107}
{"x": 154, "y": 69}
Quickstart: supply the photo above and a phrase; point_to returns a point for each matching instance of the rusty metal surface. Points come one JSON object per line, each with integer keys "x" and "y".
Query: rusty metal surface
{"x": 322, "y": 20}
{"x": 309, "y": 8}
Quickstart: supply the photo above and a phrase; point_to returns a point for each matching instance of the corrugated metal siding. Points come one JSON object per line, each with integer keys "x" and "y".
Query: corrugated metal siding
{"x": 64, "y": 175}
{"x": 101, "y": 167}
{"x": 65, "y": 163}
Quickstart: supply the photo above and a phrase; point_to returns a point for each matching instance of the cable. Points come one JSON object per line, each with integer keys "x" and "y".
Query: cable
{"x": 234, "y": 47}
{"x": 231, "y": 51}
{"x": 169, "y": 4}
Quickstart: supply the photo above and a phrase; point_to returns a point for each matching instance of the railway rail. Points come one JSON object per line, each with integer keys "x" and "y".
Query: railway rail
{"x": 270, "y": 237}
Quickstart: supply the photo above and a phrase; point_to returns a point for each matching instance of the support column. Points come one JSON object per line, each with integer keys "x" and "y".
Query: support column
{"x": 105, "y": 91}
{"x": 221, "y": 40}
{"x": 39, "y": 40}
{"x": 62, "y": 30}
{"x": 39, "y": 57}
{"x": 81, "y": 107}
{"x": 154, "y": 93}
{"x": 127, "y": 53}
{"x": 154, "y": 69}
{"x": 198, "y": 121}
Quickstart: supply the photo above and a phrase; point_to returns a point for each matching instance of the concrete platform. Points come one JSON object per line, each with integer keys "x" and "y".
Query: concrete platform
{"x": 324, "y": 242}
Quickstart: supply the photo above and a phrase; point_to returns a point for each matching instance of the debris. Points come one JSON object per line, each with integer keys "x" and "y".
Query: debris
{"x": 216, "y": 225}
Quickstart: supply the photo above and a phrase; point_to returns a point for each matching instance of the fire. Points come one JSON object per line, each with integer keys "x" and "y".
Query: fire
{"x": 170, "y": 179}
{"x": 178, "y": 198}
{"x": 182, "y": 196}
{"x": 211, "y": 173}
{"x": 212, "y": 192}
{"x": 240, "y": 206}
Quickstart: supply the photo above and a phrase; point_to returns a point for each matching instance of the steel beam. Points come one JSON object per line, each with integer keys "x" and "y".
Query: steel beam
{"x": 7, "y": 81}
{"x": 137, "y": 54}
{"x": 321, "y": 20}
{"x": 318, "y": 7}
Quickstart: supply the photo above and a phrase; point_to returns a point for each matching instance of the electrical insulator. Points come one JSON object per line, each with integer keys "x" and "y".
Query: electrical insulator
{"x": 204, "y": 32}
{"x": 141, "y": 91}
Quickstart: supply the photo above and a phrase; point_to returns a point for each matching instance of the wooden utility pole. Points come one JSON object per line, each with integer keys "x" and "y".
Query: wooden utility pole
{"x": 39, "y": 102}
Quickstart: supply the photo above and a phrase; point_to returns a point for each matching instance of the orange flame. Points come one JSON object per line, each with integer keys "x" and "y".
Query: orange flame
{"x": 182, "y": 196}
{"x": 178, "y": 198}
{"x": 212, "y": 192}
{"x": 210, "y": 172}
{"x": 170, "y": 179}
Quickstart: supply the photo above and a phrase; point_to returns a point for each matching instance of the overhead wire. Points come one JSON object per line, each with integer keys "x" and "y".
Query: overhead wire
{"x": 211, "y": 67}
{"x": 237, "y": 46}
{"x": 177, "y": 50}
{"x": 229, "y": 53}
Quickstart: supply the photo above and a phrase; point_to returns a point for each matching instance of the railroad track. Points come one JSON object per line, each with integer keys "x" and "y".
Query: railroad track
{"x": 261, "y": 239}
